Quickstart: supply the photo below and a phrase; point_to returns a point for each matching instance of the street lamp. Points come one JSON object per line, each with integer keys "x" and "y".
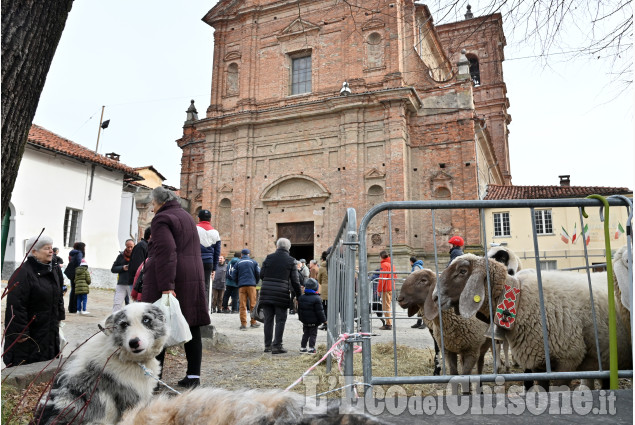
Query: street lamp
{"x": 345, "y": 90}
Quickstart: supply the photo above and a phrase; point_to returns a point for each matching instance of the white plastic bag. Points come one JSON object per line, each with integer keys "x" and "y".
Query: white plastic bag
{"x": 63, "y": 340}
{"x": 178, "y": 329}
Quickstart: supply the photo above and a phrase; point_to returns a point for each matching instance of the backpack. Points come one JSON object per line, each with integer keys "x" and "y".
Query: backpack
{"x": 138, "y": 278}
{"x": 229, "y": 273}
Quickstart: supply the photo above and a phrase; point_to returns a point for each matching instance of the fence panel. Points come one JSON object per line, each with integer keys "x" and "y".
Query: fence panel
{"x": 365, "y": 294}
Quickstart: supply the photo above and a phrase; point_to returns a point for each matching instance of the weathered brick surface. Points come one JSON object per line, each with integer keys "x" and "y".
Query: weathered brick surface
{"x": 263, "y": 157}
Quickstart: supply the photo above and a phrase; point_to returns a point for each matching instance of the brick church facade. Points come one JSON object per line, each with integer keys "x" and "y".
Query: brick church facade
{"x": 284, "y": 149}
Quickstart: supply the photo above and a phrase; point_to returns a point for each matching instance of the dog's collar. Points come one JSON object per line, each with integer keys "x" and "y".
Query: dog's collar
{"x": 507, "y": 308}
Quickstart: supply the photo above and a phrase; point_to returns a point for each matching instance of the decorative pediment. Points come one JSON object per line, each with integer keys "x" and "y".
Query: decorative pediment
{"x": 225, "y": 188}
{"x": 440, "y": 176}
{"x": 198, "y": 197}
{"x": 231, "y": 56}
{"x": 374, "y": 173}
{"x": 296, "y": 28}
{"x": 443, "y": 181}
{"x": 373, "y": 24}
{"x": 294, "y": 188}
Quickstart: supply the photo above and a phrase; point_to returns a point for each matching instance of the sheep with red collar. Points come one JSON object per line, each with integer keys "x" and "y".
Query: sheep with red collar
{"x": 463, "y": 286}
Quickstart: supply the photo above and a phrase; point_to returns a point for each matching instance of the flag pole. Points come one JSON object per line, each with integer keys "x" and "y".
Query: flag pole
{"x": 99, "y": 131}
{"x": 92, "y": 168}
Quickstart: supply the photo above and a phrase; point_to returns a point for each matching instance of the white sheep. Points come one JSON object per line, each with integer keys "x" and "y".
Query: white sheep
{"x": 506, "y": 256}
{"x": 567, "y": 305}
{"x": 622, "y": 276}
{"x": 465, "y": 337}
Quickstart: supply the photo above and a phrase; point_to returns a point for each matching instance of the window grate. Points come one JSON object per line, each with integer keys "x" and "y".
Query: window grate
{"x": 301, "y": 75}
{"x": 72, "y": 222}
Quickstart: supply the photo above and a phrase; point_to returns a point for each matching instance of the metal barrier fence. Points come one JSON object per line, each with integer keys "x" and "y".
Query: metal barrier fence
{"x": 341, "y": 302}
{"x": 341, "y": 292}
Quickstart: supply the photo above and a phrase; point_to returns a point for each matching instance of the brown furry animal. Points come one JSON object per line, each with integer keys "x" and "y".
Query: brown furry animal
{"x": 216, "y": 406}
{"x": 461, "y": 336}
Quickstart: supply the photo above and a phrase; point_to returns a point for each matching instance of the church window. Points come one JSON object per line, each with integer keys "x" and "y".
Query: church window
{"x": 224, "y": 222}
{"x": 301, "y": 75}
{"x": 475, "y": 73}
{"x": 232, "y": 79}
{"x": 374, "y": 50}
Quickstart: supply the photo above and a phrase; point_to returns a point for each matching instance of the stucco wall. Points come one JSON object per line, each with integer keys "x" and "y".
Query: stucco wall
{"x": 46, "y": 185}
{"x": 551, "y": 246}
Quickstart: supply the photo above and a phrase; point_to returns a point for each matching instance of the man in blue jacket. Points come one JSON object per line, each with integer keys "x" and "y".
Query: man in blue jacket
{"x": 247, "y": 274}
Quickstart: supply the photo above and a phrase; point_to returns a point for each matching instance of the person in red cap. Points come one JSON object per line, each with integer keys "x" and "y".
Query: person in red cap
{"x": 457, "y": 243}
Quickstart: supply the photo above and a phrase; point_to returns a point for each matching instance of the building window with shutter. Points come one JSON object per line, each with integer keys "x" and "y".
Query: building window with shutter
{"x": 72, "y": 223}
{"x": 501, "y": 224}
{"x": 301, "y": 75}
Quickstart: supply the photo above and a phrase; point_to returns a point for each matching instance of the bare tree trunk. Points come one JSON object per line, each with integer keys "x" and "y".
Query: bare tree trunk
{"x": 31, "y": 30}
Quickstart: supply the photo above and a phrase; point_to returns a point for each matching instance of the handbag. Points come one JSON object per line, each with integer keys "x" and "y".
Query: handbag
{"x": 257, "y": 313}
{"x": 178, "y": 329}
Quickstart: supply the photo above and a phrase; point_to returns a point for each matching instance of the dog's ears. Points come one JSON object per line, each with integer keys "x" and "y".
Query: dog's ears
{"x": 473, "y": 295}
{"x": 108, "y": 325}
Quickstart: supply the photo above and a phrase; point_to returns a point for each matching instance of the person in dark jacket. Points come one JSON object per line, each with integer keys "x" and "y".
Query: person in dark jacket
{"x": 457, "y": 243}
{"x": 311, "y": 314}
{"x": 74, "y": 260}
{"x": 139, "y": 255}
{"x": 35, "y": 307}
{"x": 247, "y": 274}
{"x": 174, "y": 266}
{"x": 218, "y": 285}
{"x": 231, "y": 287}
{"x": 82, "y": 289}
{"x": 210, "y": 248}
{"x": 124, "y": 285}
{"x": 279, "y": 276}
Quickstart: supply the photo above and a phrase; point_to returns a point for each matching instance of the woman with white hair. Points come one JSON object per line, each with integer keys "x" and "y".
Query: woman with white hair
{"x": 279, "y": 276}
{"x": 35, "y": 307}
{"x": 175, "y": 267}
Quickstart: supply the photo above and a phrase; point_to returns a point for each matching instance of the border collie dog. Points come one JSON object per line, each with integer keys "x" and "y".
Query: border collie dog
{"x": 103, "y": 378}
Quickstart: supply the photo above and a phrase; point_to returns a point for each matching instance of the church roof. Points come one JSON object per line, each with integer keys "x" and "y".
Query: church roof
{"x": 498, "y": 192}
{"x": 40, "y": 137}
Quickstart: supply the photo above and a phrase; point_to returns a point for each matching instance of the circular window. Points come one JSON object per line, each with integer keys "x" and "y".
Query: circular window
{"x": 374, "y": 38}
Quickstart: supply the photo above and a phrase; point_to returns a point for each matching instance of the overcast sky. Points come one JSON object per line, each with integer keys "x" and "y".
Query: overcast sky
{"x": 144, "y": 60}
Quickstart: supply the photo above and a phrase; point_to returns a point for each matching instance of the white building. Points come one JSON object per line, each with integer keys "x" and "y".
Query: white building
{"x": 75, "y": 195}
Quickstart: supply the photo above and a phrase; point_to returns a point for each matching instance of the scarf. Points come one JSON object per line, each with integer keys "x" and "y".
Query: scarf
{"x": 309, "y": 291}
{"x": 126, "y": 256}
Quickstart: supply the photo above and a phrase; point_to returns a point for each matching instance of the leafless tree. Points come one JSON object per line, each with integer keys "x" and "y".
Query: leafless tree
{"x": 603, "y": 29}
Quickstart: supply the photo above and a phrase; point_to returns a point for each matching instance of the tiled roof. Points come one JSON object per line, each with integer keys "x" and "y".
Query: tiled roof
{"x": 41, "y": 137}
{"x": 496, "y": 192}
{"x": 150, "y": 167}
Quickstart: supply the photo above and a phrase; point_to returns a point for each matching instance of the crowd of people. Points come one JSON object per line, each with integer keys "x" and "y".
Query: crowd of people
{"x": 180, "y": 257}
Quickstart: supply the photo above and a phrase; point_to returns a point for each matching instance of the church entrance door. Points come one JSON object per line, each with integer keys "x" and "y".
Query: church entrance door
{"x": 301, "y": 236}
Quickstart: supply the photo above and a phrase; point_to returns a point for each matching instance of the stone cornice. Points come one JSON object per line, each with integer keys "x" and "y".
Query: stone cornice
{"x": 330, "y": 105}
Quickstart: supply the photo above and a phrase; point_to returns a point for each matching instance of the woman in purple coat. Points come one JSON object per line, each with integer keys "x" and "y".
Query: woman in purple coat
{"x": 175, "y": 266}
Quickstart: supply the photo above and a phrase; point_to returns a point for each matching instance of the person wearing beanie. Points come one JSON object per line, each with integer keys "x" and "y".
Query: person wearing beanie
{"x": 231, "y": 287}
{"x": 246, "y": 273}
{"x": 210, "y": 250}
{"x": 311, "y": 314}
{"x": 457, "y": 243}
{"x": 82, "y": 280}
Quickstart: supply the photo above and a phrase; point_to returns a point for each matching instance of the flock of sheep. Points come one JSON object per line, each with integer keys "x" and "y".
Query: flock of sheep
{"x": 462, "y": 293}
